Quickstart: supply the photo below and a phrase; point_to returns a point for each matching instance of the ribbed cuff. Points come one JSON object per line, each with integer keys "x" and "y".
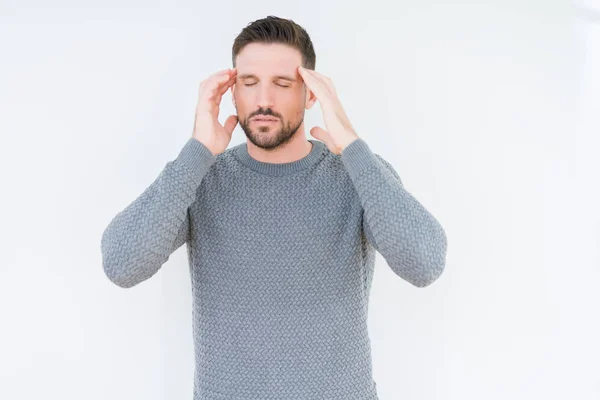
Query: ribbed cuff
{"x": 195, "y": 157}
{"x": 358, "y": 157}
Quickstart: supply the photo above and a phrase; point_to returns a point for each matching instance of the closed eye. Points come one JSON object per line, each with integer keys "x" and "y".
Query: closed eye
{"x": 252, "y": 84}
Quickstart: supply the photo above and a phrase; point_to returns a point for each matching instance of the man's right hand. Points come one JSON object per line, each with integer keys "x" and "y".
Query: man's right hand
{"x": 207, "y": 128}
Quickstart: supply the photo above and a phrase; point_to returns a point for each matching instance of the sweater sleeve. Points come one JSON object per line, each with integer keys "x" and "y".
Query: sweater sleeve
{"x": 408, "y": 236}
{"x": 140, "y": 238}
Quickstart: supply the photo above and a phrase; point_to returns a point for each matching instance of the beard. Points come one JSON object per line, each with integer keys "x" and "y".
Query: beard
{"x": 269, "y": 137}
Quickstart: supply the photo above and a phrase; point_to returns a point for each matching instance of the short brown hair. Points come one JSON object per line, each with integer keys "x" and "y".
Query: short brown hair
{"x": 277, "y": 30}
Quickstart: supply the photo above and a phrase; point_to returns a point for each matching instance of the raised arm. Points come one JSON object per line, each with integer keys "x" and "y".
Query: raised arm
{"x": 140, "y": 238}
{"x": 406, "y": 234}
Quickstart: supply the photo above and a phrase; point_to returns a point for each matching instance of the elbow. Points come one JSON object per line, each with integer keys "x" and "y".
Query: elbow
{"x": 116, "y": 275}
{"x": 433, "y": 261}
{"x": 418, "y": 274}
{"x": 124, "y": 269}
{"x": 115, "y": 269}
{"x": 425, "y": 263}
{"x": 429, "y": 274}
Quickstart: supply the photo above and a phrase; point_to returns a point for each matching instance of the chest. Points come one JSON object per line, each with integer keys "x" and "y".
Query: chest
{"x": 274, "y": 213}
{"x": 293, "y": 244}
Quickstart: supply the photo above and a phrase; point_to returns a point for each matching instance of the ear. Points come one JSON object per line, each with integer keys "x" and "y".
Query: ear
{"x": 311, "y": 99}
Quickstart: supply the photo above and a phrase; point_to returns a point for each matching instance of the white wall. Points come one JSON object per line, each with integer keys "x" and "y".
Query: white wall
{"x": 488, "y": 110}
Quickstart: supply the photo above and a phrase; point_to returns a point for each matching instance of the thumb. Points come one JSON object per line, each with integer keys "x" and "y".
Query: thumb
{"x": 319, "y": 133}
{"x": 230, "y": 124}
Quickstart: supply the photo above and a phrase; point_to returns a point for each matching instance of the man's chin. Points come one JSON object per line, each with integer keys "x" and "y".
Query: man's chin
{"x": 267, "y": 140}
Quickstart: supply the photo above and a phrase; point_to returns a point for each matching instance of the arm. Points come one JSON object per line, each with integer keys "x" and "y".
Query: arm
{"x": 409, "y": 238}
{"x": 140, "y": 238}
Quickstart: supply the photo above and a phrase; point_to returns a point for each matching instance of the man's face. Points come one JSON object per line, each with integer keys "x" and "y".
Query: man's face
{"x": 268, "y": 86}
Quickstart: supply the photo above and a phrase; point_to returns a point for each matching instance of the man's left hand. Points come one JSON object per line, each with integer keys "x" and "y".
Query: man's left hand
{"x": 339, "y": 133}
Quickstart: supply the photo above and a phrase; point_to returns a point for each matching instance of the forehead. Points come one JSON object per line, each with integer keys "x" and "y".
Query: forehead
{"x": 268, "y": 59}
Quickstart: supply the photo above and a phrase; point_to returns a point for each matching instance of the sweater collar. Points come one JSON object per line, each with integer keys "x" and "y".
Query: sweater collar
{"x": 279, "y": 169}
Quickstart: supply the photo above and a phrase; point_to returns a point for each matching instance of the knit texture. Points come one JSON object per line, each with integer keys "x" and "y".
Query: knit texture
{"x": 281, "y": 261}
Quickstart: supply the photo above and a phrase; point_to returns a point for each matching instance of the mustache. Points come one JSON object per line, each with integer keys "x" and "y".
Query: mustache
{"x": 267, "y": 113}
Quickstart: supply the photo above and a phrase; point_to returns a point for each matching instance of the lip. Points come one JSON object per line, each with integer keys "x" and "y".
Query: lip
{"x": 264, "y": 119}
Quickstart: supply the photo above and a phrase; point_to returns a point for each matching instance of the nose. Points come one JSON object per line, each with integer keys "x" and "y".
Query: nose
{"x": 265, "y": 97}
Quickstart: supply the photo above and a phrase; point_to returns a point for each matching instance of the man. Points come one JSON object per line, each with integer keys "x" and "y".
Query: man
{"x": 281, "y": 231}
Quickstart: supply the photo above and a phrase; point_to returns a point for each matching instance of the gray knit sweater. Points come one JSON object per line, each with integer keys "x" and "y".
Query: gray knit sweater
{"x": 281, "y": 260}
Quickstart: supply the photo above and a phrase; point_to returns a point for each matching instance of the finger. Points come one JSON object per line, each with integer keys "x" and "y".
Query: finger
{"x": 223, "y": 88}
{"x": 319, "y": 133}
{"x": 211, "y": 82}
{"x": 219, "y": 77}
{"x": 221, "y": 72}
{"x": 308, "y": 75}
{"x": 219, "y": 90}
{"x": 211, "y": 87}
{"x": 230, "y": 124}
{"x": 316, "y": 74}
{"x": 208, "y": 83}
{"x": 224, "y": 84}
{"x": 315, "y": 85}
{"x": 325, "y": 80}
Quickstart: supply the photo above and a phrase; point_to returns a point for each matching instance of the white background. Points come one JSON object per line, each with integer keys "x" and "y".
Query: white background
{"x": 489, "y": 111}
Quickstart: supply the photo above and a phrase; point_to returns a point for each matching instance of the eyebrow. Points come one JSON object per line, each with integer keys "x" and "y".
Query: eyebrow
{"x": 284, "y": 77}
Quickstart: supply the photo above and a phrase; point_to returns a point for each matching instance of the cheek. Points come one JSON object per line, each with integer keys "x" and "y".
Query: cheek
{"x": 290, "y": 97}
{"x": 241, "y": 102}
{"x": 246, "y": 98}
{"x": 294, "y": 110}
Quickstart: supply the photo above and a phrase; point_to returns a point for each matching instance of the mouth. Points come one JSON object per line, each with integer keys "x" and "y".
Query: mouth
{"x": 264, "y": 119}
